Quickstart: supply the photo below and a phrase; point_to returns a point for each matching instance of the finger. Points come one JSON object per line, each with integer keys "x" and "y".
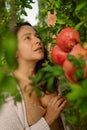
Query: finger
{"x": 62, "y": 106}
{"x": 59, "y": 102}
{"x": 55, "y": 99}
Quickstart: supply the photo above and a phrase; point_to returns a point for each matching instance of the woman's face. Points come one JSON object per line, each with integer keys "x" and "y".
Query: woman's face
{"x": 30, "y": 47}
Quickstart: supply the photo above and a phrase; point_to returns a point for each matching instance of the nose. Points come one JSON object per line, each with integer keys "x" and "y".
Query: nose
{"x": 37, "y": 40}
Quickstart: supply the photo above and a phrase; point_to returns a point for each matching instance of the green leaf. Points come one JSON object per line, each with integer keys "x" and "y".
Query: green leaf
{"x": 83, "y": 107}
{"x": 76, "y": 63}
{"x": 61, "y": 21}
{"x": 28, "y": 6}
{"x": 79, "y": 73}
{"x": 57, "y": 71}
{"x": 71, "y": 57}
{"x": 23, "y": 12}
{"x": 38, "y": 92}
{"x": 80, "y": 7}
{"x": 2, "y": 75}
{"x": 50, "y": 84}
{"x": 77, "y": 26}
{"x": 1, "y": 99}
{"x": 82, "y": 63}
{"x": 73, "y": 119}
{"x": 9, "y": 86}
{"x": 84, "y": 84}
{"x": 9, "y": 46}
{"x": 18, "y": 98}
{"x": 76, "y": 92}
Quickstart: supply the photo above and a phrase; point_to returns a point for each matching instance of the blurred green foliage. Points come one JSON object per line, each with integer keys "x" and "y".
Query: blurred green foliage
{"x": 10, "y": 14}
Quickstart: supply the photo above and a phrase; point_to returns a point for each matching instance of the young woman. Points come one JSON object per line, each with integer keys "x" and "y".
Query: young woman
{"x": 33, "y": 113}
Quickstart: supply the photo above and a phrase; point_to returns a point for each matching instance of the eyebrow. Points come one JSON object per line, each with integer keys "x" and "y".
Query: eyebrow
{"x": 29, "y": 34}
{"x": 26, "y": 34}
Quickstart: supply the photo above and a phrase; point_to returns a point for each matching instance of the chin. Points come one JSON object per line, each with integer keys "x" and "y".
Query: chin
{"x": 40, "y": 57}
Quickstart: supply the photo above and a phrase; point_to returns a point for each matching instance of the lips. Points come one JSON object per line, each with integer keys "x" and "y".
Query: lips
{"x": 39, "y": 48}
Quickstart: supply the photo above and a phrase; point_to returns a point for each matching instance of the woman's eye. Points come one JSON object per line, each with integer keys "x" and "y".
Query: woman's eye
{"x": 38, "y": 36}
{"x": 27, "y": 37}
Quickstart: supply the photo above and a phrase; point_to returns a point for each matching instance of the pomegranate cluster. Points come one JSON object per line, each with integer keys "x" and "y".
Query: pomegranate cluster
{"x": 68, "y": 43}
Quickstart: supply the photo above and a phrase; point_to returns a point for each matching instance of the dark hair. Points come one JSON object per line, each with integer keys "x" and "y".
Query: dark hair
{"x": 39, "y": 63}
{"x": 19, "y": 25}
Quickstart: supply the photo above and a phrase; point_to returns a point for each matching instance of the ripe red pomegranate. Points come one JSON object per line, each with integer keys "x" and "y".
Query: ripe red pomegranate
{"x": 58, "y": 56}
{"x": 67, "y": 38}
{"x": 69, "y": 70}
{"x": 79, "y": 52}
{"x": 69, "y": 73}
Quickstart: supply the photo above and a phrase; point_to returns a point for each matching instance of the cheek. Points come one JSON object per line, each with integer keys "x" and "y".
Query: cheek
{"x": 25, "y": 51}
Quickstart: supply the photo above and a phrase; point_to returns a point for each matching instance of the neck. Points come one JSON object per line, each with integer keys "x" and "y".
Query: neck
{"x": 25, "y": 70}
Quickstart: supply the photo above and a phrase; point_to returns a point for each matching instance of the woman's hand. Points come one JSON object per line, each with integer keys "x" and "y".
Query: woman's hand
{"x": 54, "y": 107}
